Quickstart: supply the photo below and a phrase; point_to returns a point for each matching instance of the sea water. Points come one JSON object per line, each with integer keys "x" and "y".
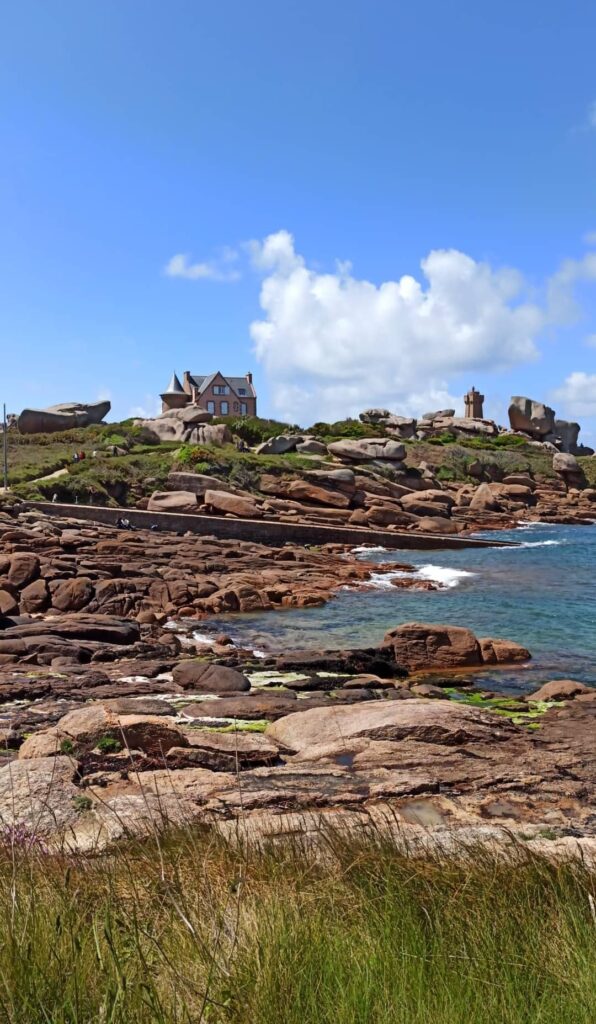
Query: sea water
{"x": 541, "y": 593}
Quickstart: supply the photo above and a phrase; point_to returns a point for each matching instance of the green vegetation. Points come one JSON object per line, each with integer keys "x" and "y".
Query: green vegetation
{"x": 109, "y": 745}
{"x": 66, "y": 747}
{"x": 344, "y": 428}
{"x": 185, "y": 929}
{"x": 253, "y": 430}
{"x": 130, "y": 464}
{"x": 521, "y": 712}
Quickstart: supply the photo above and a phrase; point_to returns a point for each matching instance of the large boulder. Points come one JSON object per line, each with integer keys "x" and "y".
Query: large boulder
{"x": 173, "y": 501}
{"x": 197, "y": 483}
{"x": 420, "y": 645}
{"x": 368, "y": 449}
{"x": 202, "y": 677}
{"x": 530, "y": 417}
{"x": 62, "y": 417}
{"x": 224, "y": 503}
{"x": 280, "y": 444}
{"x": 443, "y": 722}
{"x": 568, "y": 469}
{"x": 567, "y": 434}
{"x": 190, "y": 425}
{"x": 560, "y": 689}
{"x": 303, "y": 491}
{"x": 464, "y": 425}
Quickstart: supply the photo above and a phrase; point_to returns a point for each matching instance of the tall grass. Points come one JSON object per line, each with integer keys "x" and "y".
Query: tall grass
{"x": 187, "y": 928}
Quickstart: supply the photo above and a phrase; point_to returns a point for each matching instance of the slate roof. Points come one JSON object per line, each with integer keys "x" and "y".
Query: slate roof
{"x": 202, "y": 382}
{"x": 174, "y": 387}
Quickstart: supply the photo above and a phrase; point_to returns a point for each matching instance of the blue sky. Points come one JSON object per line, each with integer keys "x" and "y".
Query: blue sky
{"x": 349, "y": 143}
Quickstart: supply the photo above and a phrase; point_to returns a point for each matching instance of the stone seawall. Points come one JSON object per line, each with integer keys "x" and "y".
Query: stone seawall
{"x": 260, "y": 531}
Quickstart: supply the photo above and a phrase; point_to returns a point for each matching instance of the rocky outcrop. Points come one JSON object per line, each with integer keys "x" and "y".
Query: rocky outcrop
{"x": 183, "y": 502}
{"x": 420, "y": 646}
{"x": 190, "y": 425}
{"x": 368, "y": 450}
{"x": 415, "y": 720}
{"x": 531, "y": 417}
{"x": 62, "y": 417}
{"x": 569, "y": 470}
{"x": 560, "y": 689}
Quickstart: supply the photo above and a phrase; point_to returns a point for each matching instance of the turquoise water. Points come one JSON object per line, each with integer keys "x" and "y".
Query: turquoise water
{"x": 542, "y": 594}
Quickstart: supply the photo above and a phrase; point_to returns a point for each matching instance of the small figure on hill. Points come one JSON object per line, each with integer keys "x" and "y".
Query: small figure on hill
{"x": 75, "y": 457}
{"x": 55, "y": 497}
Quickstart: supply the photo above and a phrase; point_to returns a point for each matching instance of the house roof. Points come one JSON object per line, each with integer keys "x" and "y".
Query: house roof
{"x": 202, "y": 382}
{"x": 174, "y": 387}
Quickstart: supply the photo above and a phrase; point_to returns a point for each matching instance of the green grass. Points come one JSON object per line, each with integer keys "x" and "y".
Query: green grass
{"x": 184, "y": 929}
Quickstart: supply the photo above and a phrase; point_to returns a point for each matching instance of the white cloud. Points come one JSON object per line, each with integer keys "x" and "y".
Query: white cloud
{"x": 333, "y": 344}
{"x": 578, "y": 394}
{"x": 561, "y": 301}
{"x": 150, "y": 408}
{"x": 590, "y": 341}
{"x": 217, "y": 270}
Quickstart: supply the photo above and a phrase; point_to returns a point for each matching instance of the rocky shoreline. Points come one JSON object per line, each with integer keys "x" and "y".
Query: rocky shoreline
{"x": 114, "y": 722}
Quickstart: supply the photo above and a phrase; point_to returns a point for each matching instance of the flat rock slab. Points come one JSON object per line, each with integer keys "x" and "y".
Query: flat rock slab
{"x": 431, "y": 722}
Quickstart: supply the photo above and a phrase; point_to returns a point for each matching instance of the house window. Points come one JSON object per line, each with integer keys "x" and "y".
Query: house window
{"x": 241, "y": 391}
{"x": 221, "y": 389}
{"x": 223, "y": 408}
{"x": 243, "y": 408}
{"x": 211, "y": 407}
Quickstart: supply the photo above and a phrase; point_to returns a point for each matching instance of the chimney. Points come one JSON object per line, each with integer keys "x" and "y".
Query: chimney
{"x": 249, "y": 377}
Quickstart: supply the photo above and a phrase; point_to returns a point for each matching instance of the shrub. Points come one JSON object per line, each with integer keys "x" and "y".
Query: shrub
{"x": 109, "y": 745}
{"x": 345, "y": 428}
{"x": 253, "y": 430}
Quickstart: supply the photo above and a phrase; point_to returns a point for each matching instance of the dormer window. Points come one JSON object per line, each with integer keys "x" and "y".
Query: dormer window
{"x": 221, "y": 389}
{"x": 241, "y": 391}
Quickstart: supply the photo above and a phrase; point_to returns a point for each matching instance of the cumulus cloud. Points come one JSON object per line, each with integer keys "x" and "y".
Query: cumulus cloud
{"x": 332, "y": 343}
{"x": 562, "y": 305}
{"x": 578, "y": 394}
{"x": 150, "y": 408}
{"x": 215, "y": 270}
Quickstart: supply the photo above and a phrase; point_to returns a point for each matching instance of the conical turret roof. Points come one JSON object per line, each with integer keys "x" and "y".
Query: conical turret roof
{"x": 174, "y": 387}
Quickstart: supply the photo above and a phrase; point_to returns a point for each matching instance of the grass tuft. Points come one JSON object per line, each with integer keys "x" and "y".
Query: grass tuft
{"x": 185, "y": 927}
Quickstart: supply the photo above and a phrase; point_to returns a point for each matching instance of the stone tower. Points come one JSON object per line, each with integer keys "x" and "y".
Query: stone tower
{"x": 473, "y": 404}
{"x": 174, "y": 397}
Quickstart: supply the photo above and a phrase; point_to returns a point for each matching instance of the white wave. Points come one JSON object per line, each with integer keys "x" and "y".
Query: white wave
{"x": 444, "y": 576}
{"x": 530, "y": 524}
{"x": 366, "y": 549}
{"x": 203, "y": 639}
{"x": 541, "y": 543}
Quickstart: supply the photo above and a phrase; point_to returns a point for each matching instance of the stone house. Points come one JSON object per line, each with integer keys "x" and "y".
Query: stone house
{"x": 219, "y": 395}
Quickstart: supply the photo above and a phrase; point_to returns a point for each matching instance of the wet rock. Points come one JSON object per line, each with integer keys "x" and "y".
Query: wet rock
{"x": 560, "y": 689}
{"x": 371, "y": 661}
{"x": 502, "y": 652}
{"x": 417, "y": 645}
{"x": 250, "y": 707}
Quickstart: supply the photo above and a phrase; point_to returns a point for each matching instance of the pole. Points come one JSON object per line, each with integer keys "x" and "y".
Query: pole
{"x": 5, "y": 447}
